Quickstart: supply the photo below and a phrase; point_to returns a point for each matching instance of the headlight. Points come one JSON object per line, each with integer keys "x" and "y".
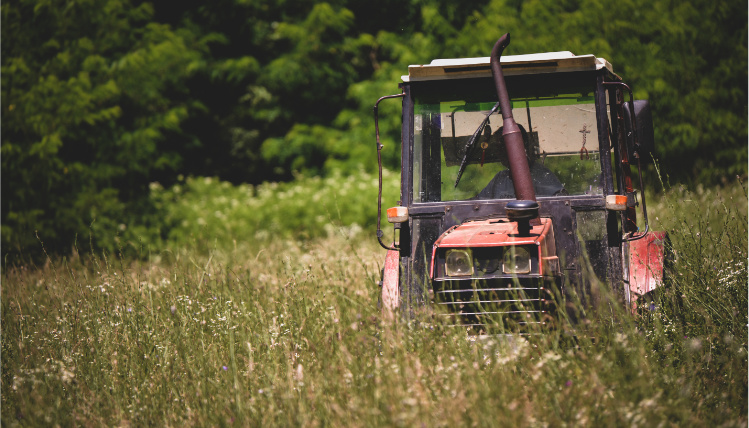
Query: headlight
{"x": 459, "y": 262}
{"x": 516, "y": 260}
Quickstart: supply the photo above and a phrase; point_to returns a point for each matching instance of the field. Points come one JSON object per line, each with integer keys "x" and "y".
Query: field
{"x": 243, "y": 330}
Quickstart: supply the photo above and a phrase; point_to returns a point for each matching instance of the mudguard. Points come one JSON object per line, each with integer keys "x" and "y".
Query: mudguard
{"x": 646, "y": 257}
{"x": 390, "y": 286}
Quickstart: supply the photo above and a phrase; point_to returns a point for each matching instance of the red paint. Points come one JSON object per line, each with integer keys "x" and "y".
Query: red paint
{"x": 390, "y": 290}
{"x": 646, "y": 263}
{"x": 502, "y": 232}
{"x": 492, "y": 233}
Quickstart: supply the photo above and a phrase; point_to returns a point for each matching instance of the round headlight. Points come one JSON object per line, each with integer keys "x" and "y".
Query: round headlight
{"x": 516, "y": 260}
{"x": 458, "y": 262}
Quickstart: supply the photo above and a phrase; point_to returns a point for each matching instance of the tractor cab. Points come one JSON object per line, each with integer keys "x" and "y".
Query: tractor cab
{"x": 516, "y": 186}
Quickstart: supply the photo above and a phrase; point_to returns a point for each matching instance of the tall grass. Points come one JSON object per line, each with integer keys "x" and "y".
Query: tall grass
{"x": 288, "y": 333}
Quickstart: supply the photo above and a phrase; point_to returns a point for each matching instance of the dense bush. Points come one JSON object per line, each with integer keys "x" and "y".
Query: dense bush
{"x": 102, "y": 97}
{"x": 217, "y": 214}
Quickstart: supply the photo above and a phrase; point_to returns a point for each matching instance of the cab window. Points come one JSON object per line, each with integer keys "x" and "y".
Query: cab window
{"x": 458, "y": 135}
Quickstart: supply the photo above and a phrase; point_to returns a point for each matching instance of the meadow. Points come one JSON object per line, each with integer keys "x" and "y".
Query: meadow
{"x": 259, "y": 307}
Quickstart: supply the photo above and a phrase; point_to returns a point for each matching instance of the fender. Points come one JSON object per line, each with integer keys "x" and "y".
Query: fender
{"x": 390, "y": 285}
{"x": 646, "y": 257}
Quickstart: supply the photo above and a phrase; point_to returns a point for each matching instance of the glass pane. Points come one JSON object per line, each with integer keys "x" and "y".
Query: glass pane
{"x": 559, "y": 131}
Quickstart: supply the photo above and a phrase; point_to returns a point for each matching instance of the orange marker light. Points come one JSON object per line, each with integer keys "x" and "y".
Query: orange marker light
{"x": 616, "y": 202}
{"x": 397, "y": 214}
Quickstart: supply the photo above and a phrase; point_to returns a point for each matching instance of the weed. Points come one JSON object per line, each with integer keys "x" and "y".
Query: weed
{"x": 286, "y": 332}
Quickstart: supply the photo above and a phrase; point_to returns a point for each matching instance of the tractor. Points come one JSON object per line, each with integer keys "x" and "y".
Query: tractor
{"x": 516, "y": 190}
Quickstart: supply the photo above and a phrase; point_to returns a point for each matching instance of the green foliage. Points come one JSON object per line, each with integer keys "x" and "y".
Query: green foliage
{"x": 102, "y": 97}
{"x": 214, "y": 214}
{"x": 90, "y": 91}
{"x": 695, "y": 79}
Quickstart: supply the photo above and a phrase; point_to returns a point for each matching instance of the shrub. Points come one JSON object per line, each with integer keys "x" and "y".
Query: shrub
{"x": 215, "y": 213}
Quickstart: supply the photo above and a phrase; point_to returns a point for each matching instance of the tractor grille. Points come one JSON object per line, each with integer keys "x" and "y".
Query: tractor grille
{"x": 505, "y": 304}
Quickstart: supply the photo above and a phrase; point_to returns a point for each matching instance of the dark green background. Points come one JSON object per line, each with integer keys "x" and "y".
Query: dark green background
{"x": 102, "y": 97}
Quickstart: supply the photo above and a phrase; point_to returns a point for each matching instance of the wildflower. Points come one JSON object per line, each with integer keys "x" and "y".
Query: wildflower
{"x": 568, "y": 383}
{"x": 225, "y": 368}
{"x": 67, "y": 376}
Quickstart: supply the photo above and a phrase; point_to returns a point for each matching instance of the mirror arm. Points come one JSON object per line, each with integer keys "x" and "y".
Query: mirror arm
{"x": 379, "y": 163}
{"x": 630, "y": 236}
{"x": 631, "y": 109}
{"x": 644, "y": 208}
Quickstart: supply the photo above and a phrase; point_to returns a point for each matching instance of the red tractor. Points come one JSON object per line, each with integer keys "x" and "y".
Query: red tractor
{"x": 516, "y": 189}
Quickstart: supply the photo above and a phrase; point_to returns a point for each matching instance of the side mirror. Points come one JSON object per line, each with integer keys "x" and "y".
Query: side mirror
{"x": 644, "y": 144}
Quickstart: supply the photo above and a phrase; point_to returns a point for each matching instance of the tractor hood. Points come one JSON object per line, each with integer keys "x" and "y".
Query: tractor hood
{"x": 500, "y": 233}
{"x": 491, "y": 233}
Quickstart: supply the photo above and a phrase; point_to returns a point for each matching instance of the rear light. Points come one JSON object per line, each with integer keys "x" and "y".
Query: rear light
{"x": 616, "y": 202}
{"x": 397, "y": 214}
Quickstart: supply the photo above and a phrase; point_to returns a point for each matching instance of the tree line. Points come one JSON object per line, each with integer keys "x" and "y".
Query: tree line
{"x": 102, "y": 97}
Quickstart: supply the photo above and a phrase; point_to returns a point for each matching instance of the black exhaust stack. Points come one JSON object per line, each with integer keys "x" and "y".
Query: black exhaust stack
{"x": 525, "y": 208}
{"x": 521, "y": 174}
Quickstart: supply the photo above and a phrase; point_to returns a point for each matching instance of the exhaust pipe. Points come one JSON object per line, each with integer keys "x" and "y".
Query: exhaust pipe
{"x": 519, "y": 169}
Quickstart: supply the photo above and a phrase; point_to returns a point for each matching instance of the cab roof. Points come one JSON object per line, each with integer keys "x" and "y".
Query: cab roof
{"x": 549, "y": 62}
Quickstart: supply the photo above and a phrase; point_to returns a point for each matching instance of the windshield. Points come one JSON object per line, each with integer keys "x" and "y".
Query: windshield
{"x": 558, "y": 126}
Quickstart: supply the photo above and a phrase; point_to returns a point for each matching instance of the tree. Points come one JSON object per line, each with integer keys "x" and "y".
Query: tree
{"x": 91, "y": 90}
{"x": 102, "y": 97}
